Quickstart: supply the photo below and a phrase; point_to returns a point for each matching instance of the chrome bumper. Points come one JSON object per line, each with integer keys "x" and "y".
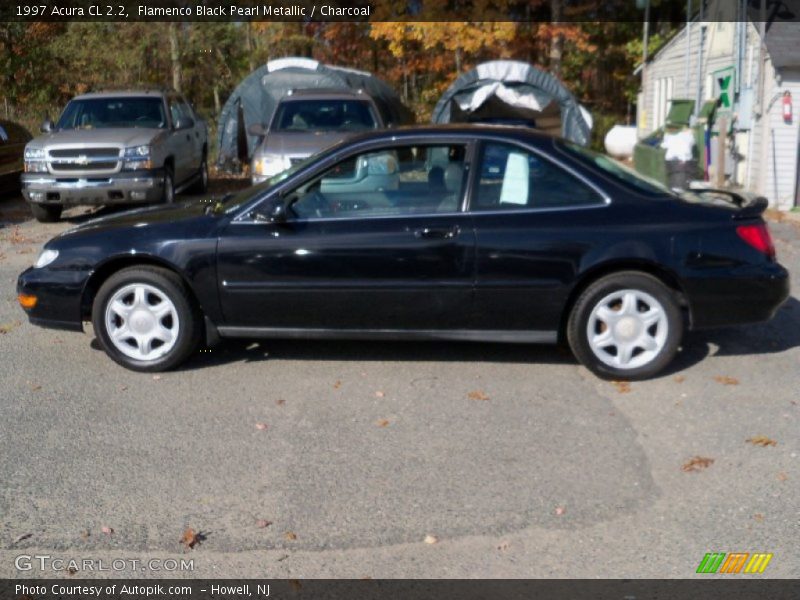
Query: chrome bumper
{"x": 128, "y": 189}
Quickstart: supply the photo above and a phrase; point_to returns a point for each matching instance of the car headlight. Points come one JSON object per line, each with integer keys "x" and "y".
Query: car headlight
{"x": 35, "y": 166}
{"x": 139, "y": 152}
{"x": 270, "y": 164}
{"x": 45, "y": 258}
{"x": 137, "y": 157}
{"x": 34, "y": 153}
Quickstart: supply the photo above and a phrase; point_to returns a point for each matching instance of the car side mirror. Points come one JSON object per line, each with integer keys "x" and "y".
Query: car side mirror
{"x": 47, "y": 126}
{"x": 257, "y": 129}
{"x": 274, "y": 211}
{"x": 184, "y": 123}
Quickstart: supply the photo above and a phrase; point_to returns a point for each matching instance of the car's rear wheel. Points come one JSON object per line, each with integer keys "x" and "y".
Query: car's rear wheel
{"x": 627, "y": 325}
{"x": 146, "y": 319}
{"x": 46, "y": 213}
{"x": 169, "y": 186}
{"x": 200, "y": 186}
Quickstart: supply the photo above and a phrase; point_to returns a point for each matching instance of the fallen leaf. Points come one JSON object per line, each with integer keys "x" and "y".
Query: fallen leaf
{"x": 107, "y": 530}
{"x": 758, "y": 517}
{"x": 697, "y": 463}
{"x": 560, "y": 510}
{"x": 35, "y": 387}
{"x": 295, "y": 585}
{"x": 263, "y": 523}
{"x": 72, "y": 570}
{"x": 431, "y": 539}
{"x": 19, "y": 538}
{"x": 123, "y": 388}
{"x": 761, "y": 440}
{"x": 503, "y": 546}
{"x": 190, "y": 538}
{"x": 382, "y": 422}
{"x": 725, "y": 380}
{"x": 156, "y": 377}
{"x": 623, "y": 387}
{"x": 9, "y": 327}
{"x": 261, "y": 426}
{"x": 290, "y": 536}
{"x": 280, "y": 402}
{"x": 477, "y": 395}
{"x": 782, "y": 476}
{"x": 379, "y": 394}
{"x": 85, "y": 534}
{"x": 679, "y": 379}
{"x": 337, "y": 385}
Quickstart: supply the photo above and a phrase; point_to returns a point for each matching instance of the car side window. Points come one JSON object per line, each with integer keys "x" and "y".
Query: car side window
{"x": 513, "y": 178}
{"x": 397, "y": 180}
{"x": 175, "y": 110}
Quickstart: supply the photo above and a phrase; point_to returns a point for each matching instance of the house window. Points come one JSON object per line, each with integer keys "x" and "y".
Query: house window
{"x": 662, "y": 96}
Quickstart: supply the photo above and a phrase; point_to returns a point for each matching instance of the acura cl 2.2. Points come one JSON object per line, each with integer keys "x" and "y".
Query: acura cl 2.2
{"x": 452, "y": 233}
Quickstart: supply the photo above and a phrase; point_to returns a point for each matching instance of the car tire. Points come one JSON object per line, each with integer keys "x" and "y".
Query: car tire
{"x": 146, "y": 320}
{"x": 625, "y": 326}
{"x": 46, "y": 213}
{"x": 169, "y": 185}
{"x": 201, "y": 185}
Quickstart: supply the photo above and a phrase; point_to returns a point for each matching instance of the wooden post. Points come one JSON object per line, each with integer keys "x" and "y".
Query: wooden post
{"x": 722, "y": 138}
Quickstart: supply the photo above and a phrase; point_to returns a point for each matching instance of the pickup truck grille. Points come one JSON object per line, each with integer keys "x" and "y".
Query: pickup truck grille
{"x": 95, "y": 160}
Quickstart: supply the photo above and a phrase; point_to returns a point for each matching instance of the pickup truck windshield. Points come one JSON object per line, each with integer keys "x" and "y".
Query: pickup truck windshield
{"x": 324, "y": 115}
{"x": 101, "y": 113}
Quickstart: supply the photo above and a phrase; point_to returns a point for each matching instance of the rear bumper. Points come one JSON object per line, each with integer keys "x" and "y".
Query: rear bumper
{"x": 747, "y": 294}
{"x": 120, "y": 188}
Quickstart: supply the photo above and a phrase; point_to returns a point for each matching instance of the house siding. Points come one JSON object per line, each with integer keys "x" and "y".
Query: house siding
{"x": 769, "y": 150}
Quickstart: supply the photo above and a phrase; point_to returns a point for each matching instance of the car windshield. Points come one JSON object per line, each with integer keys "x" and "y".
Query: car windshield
{"x": 324, "y": 115}
{"x": 102, "y": 113}
{"x": 614, "y": 168}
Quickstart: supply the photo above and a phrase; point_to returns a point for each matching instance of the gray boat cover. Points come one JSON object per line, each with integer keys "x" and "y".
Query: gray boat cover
{"x": 510, "y": 91}
{"x": 255, "y": 99}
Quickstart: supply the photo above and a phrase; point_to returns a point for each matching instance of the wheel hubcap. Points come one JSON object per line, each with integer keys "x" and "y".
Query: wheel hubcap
{"x": 627, "y": 329}
{"x": 142, "y": 322}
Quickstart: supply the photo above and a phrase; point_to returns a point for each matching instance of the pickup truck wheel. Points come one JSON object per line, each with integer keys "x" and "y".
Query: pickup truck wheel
{"x": 169, "y": 186}
{"x": 45, "y": 213}
{"x": 145, "y": 319}
{"x": 201, "y": 185}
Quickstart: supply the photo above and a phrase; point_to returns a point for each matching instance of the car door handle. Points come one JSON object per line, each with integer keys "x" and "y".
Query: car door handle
{"x": 438, "y": 233}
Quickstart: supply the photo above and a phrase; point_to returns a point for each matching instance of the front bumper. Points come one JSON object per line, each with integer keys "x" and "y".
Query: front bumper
{"x": 747, "y": 294}
{"x": 132, "y": 187}
{"x": 58, "y": 297}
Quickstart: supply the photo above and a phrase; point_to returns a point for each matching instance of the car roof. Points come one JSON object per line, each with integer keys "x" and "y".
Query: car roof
{"x": 323, "y": 93}
{"x": 122, "y": 94}
{"x": 510, "y": 132}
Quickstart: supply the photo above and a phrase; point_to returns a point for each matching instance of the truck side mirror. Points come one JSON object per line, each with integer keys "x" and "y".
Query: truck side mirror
{"x": 47, "y": 126}
{"x": 256, "y": 129}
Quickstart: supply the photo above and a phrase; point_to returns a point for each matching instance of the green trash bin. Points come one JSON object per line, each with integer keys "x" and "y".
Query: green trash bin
{"x": 649, "y": 156}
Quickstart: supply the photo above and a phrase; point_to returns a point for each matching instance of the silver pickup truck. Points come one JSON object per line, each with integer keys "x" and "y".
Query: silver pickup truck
{"x": 116, "y": 148}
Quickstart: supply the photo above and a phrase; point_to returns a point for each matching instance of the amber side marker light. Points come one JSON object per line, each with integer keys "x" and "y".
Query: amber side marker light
{"x": 26, "y": 301}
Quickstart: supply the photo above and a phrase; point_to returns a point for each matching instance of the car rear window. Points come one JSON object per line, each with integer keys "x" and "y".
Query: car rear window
{"x": 615, "y": 169}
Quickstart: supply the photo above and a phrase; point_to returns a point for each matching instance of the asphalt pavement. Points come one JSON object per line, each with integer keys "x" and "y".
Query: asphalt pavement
{"x": 338, "y": 459}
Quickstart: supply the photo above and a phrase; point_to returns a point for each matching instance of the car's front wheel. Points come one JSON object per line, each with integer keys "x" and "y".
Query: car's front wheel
{"x": 146, "y": 319}
{"x": 627, "y": 325}
{"x": 46, "y": 213}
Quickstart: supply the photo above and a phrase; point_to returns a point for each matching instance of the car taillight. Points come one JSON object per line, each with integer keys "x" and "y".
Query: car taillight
{"x": 758, "y": 237}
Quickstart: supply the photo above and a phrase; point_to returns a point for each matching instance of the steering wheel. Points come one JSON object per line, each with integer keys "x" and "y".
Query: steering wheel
{"x": 316, "y": 202}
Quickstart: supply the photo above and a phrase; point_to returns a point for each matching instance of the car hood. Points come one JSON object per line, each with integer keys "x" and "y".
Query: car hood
{"x": 128, "y": 137}
{"x": 139, "y": 219}
{"x": 300, "y": 144}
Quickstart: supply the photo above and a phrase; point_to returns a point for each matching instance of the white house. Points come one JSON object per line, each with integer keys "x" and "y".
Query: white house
{"x": 720, "y": 55}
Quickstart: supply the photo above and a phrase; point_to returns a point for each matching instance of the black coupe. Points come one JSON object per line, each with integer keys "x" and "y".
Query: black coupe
{"x": 455, "y": 233}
